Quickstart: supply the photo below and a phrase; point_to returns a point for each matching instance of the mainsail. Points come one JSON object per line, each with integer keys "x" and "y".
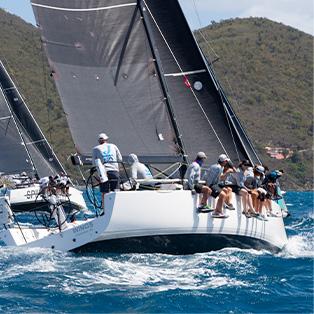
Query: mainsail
{"x": 23, "y": 145}
{"x": 133, "y": 70}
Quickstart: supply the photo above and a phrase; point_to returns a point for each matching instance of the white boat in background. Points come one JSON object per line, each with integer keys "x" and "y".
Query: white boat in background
{"x": 52, "y": 232}
{"x": 133, "y": 69}
{"x": 30, "y": 198}
{"x": 24, "y": 148}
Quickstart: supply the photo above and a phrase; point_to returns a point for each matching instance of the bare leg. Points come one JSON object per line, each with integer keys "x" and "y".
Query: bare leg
{"x": 249, "y": 200}
{"x": 254, "y": 196}
{"x": 268, "y": 204}
{"x": 221, "y": 199}
{"x": 228, "y": 192}
{"x": 206, "y": 194}
{"x": 243, "y": 193}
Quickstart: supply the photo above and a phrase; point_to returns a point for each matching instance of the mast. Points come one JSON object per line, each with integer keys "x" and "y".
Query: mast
{"x": 160, "y": 72}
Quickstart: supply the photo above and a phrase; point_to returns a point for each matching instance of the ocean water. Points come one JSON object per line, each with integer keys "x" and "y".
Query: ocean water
{"x": 227, "y": 281}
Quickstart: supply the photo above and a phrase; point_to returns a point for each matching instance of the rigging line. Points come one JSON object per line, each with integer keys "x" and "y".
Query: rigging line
{"x": 176, "y": 61}
{"x": 176, "y": 136}
{"x": 236, "y": 101}
{"x": 201, "y": 32}
{"x": 207, "y": 44}
{"x": 220, "y": 95}
{"x": 46, "y": 93}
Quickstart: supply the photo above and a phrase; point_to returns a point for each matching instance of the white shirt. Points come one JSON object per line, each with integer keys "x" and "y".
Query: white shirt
{"x": 109, "y": 154}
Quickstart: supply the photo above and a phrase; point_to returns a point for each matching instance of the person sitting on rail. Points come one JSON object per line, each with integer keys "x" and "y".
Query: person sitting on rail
{"x": 45, "y": 184}
{"x": 66, "y": 180}
{"x": 270, "y": 184}
{"x": 212, "y": 176}
{"x": 236, "y": 182}
{"x": 193, "y": 175}
{"x": 258, "y": 194}
{"x": 229, "y": 167}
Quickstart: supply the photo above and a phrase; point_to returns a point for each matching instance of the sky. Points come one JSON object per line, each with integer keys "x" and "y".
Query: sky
{"x": 199, "y": 13}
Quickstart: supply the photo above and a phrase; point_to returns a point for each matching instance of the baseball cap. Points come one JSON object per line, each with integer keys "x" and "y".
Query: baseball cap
{"x": 246, "y": 163}
{"x": 222, "y": 158}
{"x": 102, "y": 136}
{"x": 201, "y": 155}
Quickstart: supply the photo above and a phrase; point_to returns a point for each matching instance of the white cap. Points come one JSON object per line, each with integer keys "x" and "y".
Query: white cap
{"x": 201, "y": 155}
{"x": 222, "y": 158}
{"x": 102, "y": 136}
{"x": 260, "y": 169}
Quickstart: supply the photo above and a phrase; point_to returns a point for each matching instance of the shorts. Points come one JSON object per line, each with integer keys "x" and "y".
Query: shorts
{"x": 112, "y": 184}
{"x": 216, "y": 190}
{"x": 198, "y": 187}
{"x": 261, "y": 194}
{"x": 235, "y": 188}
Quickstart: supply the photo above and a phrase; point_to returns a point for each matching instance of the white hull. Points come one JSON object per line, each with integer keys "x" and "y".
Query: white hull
{"x": 163, "y": 221}
{"x": 75, "y": 235}
{"x": 28, "y": 199}
{"x": 166, "y": 221}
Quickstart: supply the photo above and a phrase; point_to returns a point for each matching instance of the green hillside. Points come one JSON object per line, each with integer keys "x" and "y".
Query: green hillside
{"x": 268, "y": 65}
{"x": 266, "y": 70}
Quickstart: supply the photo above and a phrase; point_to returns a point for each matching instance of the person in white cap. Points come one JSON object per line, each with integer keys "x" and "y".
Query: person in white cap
{"x": 212, "y": 176}
{"x": 258, "y": 194}
{"x": 110, "y": 156}
{"x": 193, "y": 175}
{"x": 236, "y": 182}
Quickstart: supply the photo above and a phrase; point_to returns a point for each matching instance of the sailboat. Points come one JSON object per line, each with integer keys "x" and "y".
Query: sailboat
{"x": 24, "y": 149}
{"x": 133, "y": 70}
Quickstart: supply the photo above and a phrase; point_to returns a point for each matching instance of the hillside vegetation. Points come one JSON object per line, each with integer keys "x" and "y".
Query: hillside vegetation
{"x": 268, "y": 65}
{"x": 266, "y": 70}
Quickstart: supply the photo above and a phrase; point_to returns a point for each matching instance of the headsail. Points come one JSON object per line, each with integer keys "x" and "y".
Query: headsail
{"x": 132, "y": 69}
{"x": 33, "y": 153}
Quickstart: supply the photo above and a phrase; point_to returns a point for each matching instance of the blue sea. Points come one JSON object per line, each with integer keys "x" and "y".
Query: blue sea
{"x": 227, "y": 281}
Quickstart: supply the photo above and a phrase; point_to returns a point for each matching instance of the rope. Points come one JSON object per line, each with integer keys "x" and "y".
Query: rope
{"x": 207, "y": 44}
{"x": 176, "y": 61}
{"x": 161, "y": 172}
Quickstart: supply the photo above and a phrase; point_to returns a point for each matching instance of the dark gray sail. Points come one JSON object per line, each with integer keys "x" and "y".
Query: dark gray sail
{"x": 13, "y": 156}
{"x": 33, "y": 146}
{"x": 124, "y": 68}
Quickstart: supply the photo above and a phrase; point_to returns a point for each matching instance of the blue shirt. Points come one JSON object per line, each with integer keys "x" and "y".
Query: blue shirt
{"x": 212, "y": 174}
